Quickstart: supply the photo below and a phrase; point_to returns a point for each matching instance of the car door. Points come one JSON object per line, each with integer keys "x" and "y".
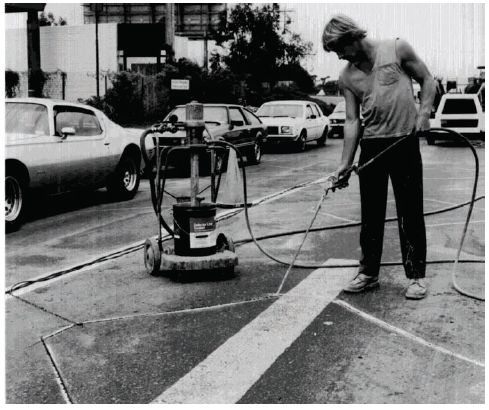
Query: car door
{"x": 31, "y": 141}
{"x": 255, "y": 125}
{"x": 320, "y": 120}
{"x": 311, "y": 123}
{"x": 84, "y": 154}
{"x": 239, "y": 133}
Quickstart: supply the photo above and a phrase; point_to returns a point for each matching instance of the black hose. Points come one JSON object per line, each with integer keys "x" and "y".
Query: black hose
{"x": 153, "y": 182}
{"x": 117, "y": 254}
{"x": 296, "y": 265}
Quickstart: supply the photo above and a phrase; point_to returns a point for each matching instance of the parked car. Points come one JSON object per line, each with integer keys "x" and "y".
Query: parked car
{"x": 294, "y": 121}
{"x": 463, "y": 113}
{"x": 337, "y": 120}
{"x": 228, "y": 122}
{"x": 56, "y": 146}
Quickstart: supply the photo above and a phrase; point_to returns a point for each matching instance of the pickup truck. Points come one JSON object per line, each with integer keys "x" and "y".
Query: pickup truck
{"x": 463, "y": 113}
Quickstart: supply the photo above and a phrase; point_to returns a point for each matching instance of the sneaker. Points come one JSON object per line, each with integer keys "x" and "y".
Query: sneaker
{"x": 416, "y": 289}
{"x": 362, "y": 282}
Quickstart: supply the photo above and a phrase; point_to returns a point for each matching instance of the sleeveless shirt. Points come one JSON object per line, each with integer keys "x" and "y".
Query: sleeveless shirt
{"x": 386, "y": 94}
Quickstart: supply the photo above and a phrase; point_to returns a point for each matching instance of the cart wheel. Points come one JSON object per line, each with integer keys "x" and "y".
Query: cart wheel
{"x": 223, "y": 243}
{"x": 152, "y": 256}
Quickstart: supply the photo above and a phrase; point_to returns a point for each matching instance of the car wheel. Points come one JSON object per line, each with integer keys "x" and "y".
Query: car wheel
{"x": 224, "y": 243}
{"x": 322, "y": 140}
{"x": 15, "y": 190}
{"x": 255, "y": 153}
{"x": 124, "y": 182}
{"x": 301, "y": 142}
{"x": 430, "y": 139}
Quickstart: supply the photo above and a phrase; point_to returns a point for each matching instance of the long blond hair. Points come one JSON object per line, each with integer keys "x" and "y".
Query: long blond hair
{"x": 341, "y": 27}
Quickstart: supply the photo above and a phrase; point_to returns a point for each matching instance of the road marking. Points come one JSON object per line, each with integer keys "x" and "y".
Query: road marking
{"x": 228, "y": 372}
{"x": 337, "y": 217}
{"x": 406, "y": 334}
{"x": 456, "y": 178}
{"x": 454, "y": 223}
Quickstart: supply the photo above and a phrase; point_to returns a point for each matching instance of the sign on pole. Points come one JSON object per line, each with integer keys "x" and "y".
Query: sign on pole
{"x": 180, "y": 84}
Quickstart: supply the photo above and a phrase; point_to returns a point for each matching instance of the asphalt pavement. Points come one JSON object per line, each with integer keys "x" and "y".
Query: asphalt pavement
{"x": 104, "y": 331}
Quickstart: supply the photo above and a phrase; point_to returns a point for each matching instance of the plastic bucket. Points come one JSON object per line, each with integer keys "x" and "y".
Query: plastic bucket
{"x": 195, "y": 229}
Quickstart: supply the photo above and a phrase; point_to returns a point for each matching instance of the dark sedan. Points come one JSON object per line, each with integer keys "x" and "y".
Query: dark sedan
{"x": 231, "y": 123}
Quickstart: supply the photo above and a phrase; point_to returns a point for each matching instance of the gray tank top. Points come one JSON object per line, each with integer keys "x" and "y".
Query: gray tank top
{"x": 386, "y": 94}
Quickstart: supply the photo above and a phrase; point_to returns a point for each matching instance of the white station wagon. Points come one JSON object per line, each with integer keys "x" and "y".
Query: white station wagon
{"x": 56, "y": 146}
{"x": 294, "y": 121}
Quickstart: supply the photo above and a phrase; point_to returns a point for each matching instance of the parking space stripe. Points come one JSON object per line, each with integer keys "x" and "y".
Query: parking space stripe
{"x": 406, "y": 334}
{"x": 229, "y": 372}
{"x": 337, "y": 217}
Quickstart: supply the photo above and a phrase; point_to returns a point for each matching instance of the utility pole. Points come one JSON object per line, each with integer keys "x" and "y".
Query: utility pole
{"x": 33, "y": 54}
{"x": 170, "y": 29}
{"x": 97, "y": 68}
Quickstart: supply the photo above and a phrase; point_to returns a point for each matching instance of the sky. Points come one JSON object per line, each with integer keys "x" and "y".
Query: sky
{"x": 449, "y": 37}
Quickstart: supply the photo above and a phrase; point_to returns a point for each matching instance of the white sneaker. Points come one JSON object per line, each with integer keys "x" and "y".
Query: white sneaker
{"x": 416, "y": 289}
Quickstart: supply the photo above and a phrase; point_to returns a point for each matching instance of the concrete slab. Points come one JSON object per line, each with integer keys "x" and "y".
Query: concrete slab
{"x": 133, "y": 360}
{"x": 341, "y": 358}
{"x": 29, "y": 376}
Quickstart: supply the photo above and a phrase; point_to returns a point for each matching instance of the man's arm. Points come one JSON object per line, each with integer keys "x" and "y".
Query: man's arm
{"x": 417, "y": 69}
{"x": 351, "y": 130}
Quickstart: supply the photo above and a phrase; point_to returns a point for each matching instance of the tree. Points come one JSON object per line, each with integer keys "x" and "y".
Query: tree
{"x": 255, "y": 45}
{"x": 49, "y": 20}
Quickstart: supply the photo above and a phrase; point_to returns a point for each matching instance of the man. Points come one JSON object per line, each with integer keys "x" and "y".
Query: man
{"x": 378, "y": 79}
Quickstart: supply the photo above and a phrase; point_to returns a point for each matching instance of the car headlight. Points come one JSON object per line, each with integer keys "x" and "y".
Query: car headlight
{"x": 333, "y": 121}
{"x": 286, "y": 130}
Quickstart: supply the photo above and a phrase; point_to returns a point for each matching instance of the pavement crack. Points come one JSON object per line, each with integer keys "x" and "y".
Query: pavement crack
{"x": 59, "y": 378}
{"x": 43, "y": 309}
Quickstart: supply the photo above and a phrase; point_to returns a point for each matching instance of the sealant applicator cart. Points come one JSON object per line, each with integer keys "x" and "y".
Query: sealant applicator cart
{"x": 196, "y": 244}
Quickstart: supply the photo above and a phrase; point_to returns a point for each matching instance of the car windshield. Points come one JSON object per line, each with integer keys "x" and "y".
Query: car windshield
{"x": 212, "y": 115}
{"x": 459, "y": 106}
{"x": 280, "y": 110}
{"x": 26, "y": 118}
{"x": 340, "y": 107}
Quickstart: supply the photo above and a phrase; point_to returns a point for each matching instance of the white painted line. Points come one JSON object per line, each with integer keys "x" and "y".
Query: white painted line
{"x": 441, "y": 224}
{"x": 337, "y": 217}
{"x": 454, "y": 223}
{"x": 456, "y": 178}
{"x": 406, "y": 334}
{"x": 228, "y": 372}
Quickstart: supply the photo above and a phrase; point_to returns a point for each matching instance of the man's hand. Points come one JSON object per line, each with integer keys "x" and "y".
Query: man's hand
{"x": 422, "y": 124}
{"x": 340, "y": 177}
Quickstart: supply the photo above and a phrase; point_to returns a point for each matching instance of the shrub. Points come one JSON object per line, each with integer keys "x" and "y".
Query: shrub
{"x": 123, "y": 101}
{"x": 12, "y": 80}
